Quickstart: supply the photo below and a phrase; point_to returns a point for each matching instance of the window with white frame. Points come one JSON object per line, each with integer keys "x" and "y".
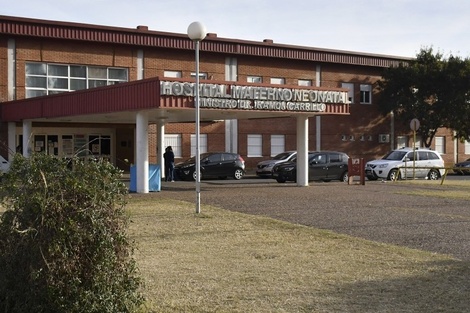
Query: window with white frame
{"x": 255, "y": 144}
{"x": 202, "y": 144}
{"x": 277, "y": 144}
{"x": 467, "y": 147}
{"x": 254, "y": 79}
{"x": 440, "y": 144}
{"x": 350, "y": 88}
{"x": 277, "y": 81}
{"x": 48, "y": 78}
{"x": 304, "y": 82}
{"x": 402, "y": 142}
{"x": 173, "y": 140}
{"x": 366, "y": 94}
{"x": 172, "y": 74}
{"x": 201, "y": 75}
{"x": 417, "y": 142}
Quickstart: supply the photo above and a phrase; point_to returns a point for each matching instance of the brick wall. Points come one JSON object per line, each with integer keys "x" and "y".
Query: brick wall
{"x": 363, "y": 120}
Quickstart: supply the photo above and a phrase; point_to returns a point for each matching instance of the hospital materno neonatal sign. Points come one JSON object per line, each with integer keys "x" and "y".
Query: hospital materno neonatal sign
{"x": 219, "y": 96}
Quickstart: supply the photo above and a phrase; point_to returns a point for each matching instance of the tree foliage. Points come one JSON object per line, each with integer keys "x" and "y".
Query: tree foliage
{"x": 63, "y": 242}
{"x": 432, "y": 89}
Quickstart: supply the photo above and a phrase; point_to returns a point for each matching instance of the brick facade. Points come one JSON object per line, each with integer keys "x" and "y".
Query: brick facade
{"x": 361, "y": 128}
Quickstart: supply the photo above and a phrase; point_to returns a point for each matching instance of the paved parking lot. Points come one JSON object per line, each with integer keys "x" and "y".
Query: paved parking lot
{"x": 378, "y": 211}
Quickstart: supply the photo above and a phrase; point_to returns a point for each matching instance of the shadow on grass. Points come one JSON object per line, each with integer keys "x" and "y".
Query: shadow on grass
{"x": 444, "y": 288}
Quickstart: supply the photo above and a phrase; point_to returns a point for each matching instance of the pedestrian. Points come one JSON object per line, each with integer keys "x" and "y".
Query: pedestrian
{"x": 169, "y": 158}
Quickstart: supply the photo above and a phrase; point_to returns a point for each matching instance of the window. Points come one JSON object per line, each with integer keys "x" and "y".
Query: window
{"x": 254, "y": 79}
{"x": 402, "y": 142}
{"x": 440, "y": 144}
{"x": 350, "y": 88}
{"x": 202, "y": 144}
{"x": 467, "y": 147}
{"x": 277, "y": 81}
{"x": 173, "y": 140}
{"x": 255, "y": 144}
{"x": 277, "y": 144}
{"x": 47, "y": 79}
{"x": 304, "y": 82}
{"x": 335, "y": 158}
{"x": 201, "y": 75}
{"x": 366, "y": 94}
{"x": 172, "y": 74}
{"x": 417, "y": 143}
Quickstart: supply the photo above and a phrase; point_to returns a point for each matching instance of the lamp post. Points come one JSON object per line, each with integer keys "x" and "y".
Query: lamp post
{"x": 197, "y": 32}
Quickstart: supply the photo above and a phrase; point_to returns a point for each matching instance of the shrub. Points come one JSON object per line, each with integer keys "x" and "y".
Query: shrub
{"x": 63, "y": 241}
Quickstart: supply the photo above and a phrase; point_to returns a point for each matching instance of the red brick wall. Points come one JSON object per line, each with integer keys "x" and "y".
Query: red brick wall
{"x": 363, "y": 120}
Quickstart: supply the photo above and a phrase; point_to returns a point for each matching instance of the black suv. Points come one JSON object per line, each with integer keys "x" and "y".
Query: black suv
{"x": 213, "y": 164}
{"x": 322, "y": 165}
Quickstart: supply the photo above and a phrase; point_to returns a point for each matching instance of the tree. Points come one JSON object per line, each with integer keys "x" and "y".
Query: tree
{"x": 63, "y": 242}
{"x": 432, "y": 89}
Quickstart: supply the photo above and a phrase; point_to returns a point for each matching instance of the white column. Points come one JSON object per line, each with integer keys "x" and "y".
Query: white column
{"x": 318, "y": 118}
{"x": 140, "y": 64}
{"x": 11, "y": 140}
{"x": 11, "y": 69}
{"x": 142, "y": 153}
{"x": 302, "y": 150}
{"x": 27, "y": 135}
{"x": 160, "y": 147}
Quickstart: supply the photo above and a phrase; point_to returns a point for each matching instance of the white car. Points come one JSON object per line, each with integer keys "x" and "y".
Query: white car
{"x": 407, "y": 163}
{"x": 265, "y": 168}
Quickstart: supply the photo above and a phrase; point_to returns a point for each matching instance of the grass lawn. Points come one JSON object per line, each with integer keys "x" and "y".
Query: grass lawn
{"x": 222, "y": 261}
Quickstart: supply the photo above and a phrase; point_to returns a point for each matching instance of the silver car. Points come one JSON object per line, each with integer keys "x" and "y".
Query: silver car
{"x": 265, "y": 168}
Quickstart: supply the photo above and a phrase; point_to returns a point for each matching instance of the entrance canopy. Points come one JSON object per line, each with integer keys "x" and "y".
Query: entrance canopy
{"x": 173, "y": 101}
{"x": 155, "y": 101}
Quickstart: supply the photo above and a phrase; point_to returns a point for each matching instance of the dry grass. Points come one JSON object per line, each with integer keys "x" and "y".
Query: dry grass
{"x": 221, "y": 261}
{"x": 452, "y": 189}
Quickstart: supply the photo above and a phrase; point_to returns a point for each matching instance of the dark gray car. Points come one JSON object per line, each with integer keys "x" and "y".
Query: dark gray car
{"x": 322, "y": 165}
{"x": 213, "y": 164}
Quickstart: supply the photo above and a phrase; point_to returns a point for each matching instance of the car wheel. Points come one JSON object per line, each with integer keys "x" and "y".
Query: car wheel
{"x": 345, "y": 177}
{"x": 281, "y": 179}
{"x": 194, "y": 175}
{"x": 433, "y": 174}
{"x": 238, "y": 174}
{"x": 394, "y": 174}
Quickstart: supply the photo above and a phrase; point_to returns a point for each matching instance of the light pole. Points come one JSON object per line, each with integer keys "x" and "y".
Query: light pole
{"x": 197, "y": 32}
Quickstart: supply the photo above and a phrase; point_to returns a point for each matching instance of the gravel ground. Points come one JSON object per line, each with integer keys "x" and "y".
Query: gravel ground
{"x": 377, "y": 211}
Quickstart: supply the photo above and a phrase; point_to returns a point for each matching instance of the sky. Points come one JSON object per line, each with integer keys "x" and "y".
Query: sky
{"x": 387, "y": 27}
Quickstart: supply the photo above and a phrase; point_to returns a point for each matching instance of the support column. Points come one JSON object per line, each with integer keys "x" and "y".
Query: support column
{"x": 160, "y": 147}
{"x": 302, "y": 150}
{"x": 318, "y": 117}
{"x": 11, "y": 141}
{"x": 27, "y": 135}
{"x": 142, "y": 153}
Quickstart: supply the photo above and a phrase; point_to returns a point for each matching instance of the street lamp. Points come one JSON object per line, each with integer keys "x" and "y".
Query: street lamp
{"x": 197, "y": 32}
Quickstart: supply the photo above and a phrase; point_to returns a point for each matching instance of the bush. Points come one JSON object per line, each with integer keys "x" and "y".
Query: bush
{"x": 63, "y": 241}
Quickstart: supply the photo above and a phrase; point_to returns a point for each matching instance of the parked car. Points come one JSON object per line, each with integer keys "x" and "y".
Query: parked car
{"x": 265, "y": 168}
{"x": 4, "y": 165}
{"x": 403, "y": 162}
{"x": 464, "y": 167}
{"x": 213, "y": 164}
{"x": 322, "y": 165}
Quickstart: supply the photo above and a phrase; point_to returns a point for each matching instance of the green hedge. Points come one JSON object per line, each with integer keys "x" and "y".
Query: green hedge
{"x": 63, "y": 241}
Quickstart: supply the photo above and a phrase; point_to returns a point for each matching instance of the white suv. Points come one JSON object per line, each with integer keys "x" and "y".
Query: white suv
{"x": 406, "y": 163}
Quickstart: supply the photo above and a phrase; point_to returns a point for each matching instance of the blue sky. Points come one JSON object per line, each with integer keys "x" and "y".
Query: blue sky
{"x": 390, "y": 27}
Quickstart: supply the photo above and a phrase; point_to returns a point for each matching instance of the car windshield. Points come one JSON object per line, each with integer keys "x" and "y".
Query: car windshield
{"x": 282, "y": 156}
{"x": 395, "y": 155}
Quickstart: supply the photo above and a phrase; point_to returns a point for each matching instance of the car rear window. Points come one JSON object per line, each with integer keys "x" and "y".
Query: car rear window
{"x": 335, "y": 158}
{"x": 229, "y": 157}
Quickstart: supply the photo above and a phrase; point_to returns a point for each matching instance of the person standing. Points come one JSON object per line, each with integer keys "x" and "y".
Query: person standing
{"x": 169, "y": 158}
